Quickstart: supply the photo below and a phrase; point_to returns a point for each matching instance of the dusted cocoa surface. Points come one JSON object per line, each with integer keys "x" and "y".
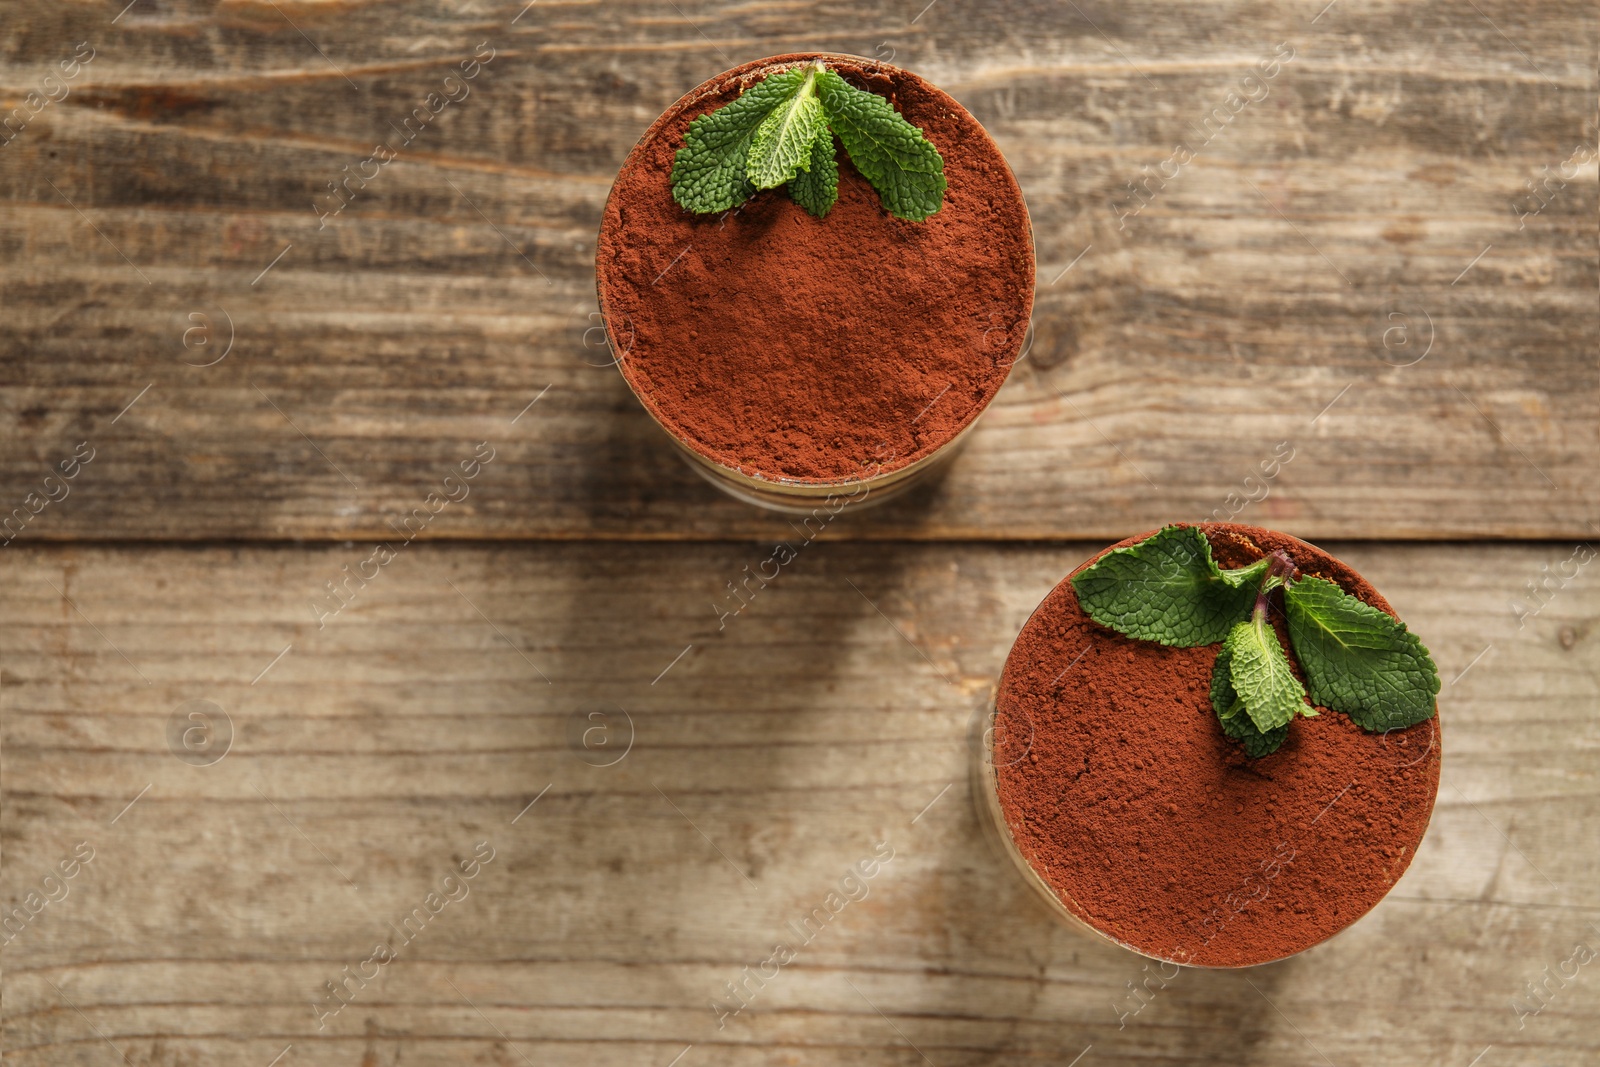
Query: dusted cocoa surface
{"x": 820, "y": 350}
{"x": 1120, "y": 789}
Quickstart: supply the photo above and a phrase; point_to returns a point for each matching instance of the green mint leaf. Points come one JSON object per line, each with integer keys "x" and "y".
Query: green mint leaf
{"x": 708, "y": 172}
{"x": 1261, "y": 675}
{"x": 1359, "y": 660}
{"x": 905, "y": 169}
{"x": 781, "y": 147}
{"x": 1166, "y": 588}
{"x": 1231, "y": 713}
{"x": 778, "y": 132}
{"x": 817, "y": 189}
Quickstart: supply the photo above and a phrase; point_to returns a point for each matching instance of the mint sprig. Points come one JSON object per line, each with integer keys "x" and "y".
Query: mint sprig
{"x": 1358, "y": 660}
{"x": 780, "y": 131}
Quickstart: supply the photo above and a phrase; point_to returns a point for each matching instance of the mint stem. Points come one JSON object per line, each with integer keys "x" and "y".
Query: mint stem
{"x": 1282, "y": 570}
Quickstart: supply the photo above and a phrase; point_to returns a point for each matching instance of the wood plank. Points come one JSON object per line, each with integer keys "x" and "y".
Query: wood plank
{"x": 1260, "y": 297}
{"x": 369, "y": 759}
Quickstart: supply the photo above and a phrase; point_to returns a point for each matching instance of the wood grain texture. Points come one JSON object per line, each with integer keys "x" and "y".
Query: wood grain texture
{"x": 1262, "y": 295}
{"x": 374, "y": 754}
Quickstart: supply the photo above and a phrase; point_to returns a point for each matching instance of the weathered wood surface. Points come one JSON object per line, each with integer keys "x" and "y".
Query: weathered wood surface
{"x": 1361, "y": 213}
{"x": 823, "y": 719}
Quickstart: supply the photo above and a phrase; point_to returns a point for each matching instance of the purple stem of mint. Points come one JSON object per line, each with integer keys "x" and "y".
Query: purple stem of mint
{"x": 1282, "y": 569}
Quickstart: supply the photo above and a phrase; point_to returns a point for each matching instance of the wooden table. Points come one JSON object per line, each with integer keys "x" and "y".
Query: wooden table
{"x": 271, "y": 782}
